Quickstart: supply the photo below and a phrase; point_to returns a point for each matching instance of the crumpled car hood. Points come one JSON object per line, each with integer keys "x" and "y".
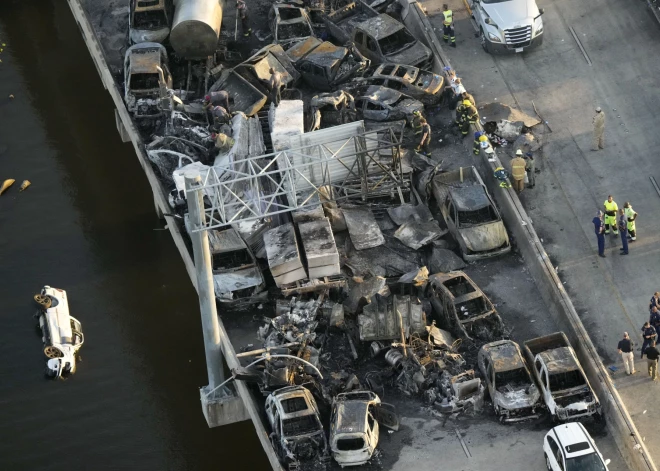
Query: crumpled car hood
{"x": 485, "y": 236}
{"x": 414, "y": 55}
{"x": 518, "y": 399}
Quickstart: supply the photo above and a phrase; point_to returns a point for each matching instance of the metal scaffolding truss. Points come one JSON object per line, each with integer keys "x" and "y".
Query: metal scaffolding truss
{"x": 362, "y": 166}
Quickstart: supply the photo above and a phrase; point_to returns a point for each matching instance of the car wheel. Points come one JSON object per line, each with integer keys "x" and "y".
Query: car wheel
{"x": 484, "y": 41}
{"x": 547, "y": 462}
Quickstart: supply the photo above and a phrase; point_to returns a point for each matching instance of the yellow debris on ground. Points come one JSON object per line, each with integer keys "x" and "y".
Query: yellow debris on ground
{"x": 6, "y": 184}
{"x": 25, "y": 184}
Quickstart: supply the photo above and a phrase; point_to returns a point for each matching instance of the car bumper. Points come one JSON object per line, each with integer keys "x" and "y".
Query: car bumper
{"x": 482, "y": 255}
{"x": 499, "y": 48}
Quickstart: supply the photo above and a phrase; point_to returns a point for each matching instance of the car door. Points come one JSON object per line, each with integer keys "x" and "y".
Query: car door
{"x": 555, "y": 458}
{"x": 372, "y": 49}
{"x": 372, "y": 432}
{"x": 375, "y": 111}
{"x": 386, "y": 415}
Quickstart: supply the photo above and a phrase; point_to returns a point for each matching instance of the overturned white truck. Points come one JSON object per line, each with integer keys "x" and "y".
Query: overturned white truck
{"x": 61, "y": 333}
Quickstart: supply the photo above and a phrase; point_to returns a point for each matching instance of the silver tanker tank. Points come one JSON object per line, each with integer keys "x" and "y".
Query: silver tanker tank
{"x": 196, "y": 28}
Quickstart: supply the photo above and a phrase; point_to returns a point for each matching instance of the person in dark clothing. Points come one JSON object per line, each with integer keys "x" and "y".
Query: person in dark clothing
{"x": 600, "y": 233}
{"x": 655, "y": 301}
{"x": 626, "y": 350}
{"x": 623, "y": 230}
{"x": 652, "y": 355}
{"x": 654, "y": 319}
{"x": 649, "y": 335}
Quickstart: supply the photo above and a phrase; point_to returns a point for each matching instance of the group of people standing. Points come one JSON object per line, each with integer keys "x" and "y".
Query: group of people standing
{"x": 621, "y": 221}
{"x": 650, "y": 331}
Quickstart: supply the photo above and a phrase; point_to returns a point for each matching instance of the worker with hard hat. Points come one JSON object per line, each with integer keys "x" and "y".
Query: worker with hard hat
{"x": 416, "y": 122}
{"x": 631, "y": 215}
{"x": 599, "y": 130}
{"x": 611, "y": 209}
{"x": 466, "y": 114}
{"x": 530, "y": 167}
{"x": 448, "y": 26}
{"x": 518, "y": 172}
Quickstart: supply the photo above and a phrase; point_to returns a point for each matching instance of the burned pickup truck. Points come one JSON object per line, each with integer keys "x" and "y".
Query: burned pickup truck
{"x": 470, "y": 214}
{"x": 323, "y": 65}
{"x": 565, "y": 388}
{"x": 462, "y": 307}
{"x": 379, "y": 37}
{"x": 514, "y": 393}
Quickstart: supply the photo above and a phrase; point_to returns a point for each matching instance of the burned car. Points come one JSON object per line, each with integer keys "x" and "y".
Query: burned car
{"x": 324, "y": 65}
{"x": 236, "y": 274}
{"x": 297, "y": 434}
{"x": 470, "y": 214}
{"x": 148, "y": 21}
{"x": 384, "y": 104}
{"x": 289, "y": 24}
{"x": 379, "y": 37}
{"x": 416, "y": 83}
{"x": 563, "y": 383}
{"x": 354, "y": 426}
{"x": 146, "y": 79}
{"x": 513, "y": 391}
{"x": 462, "y": 307}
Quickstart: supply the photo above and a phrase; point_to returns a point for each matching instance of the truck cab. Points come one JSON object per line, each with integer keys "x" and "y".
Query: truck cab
{"x": 508, "y": 26}
{"x": 561, "y": 379}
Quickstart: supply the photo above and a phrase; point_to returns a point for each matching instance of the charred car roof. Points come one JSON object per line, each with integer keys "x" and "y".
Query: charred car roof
{"x": 469, "y": 198}
{"x": 559, "y": 360}
{"x": 327, "y": 54}
{"x": 381, "y": 26}
{"x": 504, "y": 355}
{"x": 384, "y": 95}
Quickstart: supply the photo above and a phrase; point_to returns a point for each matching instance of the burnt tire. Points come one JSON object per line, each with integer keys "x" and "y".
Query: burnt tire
{"x": 53, "y": 352}
{"x": 44, "y": 301}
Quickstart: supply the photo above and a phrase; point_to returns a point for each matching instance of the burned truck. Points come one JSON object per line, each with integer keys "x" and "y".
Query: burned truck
{"x": 470, "y": 214}
{"x": 512, "y": 390}
{"x": 323, "y": 65}
{"x": 379, "y": 37}
{"x": 462, "y": 307}
{"x": 289, "y": 24}
{"x": 558, "y": 373}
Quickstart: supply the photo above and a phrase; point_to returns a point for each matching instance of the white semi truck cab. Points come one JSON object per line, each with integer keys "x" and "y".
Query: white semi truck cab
{"x": 508, "y": 26}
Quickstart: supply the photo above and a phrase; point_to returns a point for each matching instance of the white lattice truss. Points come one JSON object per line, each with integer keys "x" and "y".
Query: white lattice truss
{"x": 362, "y": 166}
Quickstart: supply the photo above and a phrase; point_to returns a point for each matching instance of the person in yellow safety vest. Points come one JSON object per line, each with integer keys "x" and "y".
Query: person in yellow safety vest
{"x": 416, "y": 122}
{"x": 518, "y": 172}
{"x": 448, "y": 25}
{"x": 631, "y": 215}
{"x": 610, "y": 215}
{"x": 476, "y": 146}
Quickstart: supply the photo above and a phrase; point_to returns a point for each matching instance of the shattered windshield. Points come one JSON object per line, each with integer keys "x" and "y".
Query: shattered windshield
{"x": 591, "y": 462}
{"x": 396, "y": 42}
{"x": 144, "y": 81}
{"x": 474, "y": 218}
{"x": 350, "y": 444}
{"x": 566, "y": 380}
{"x": 149, "y": 19}
{"x": 511, "y": 379}
{"x": 299, "y": 425}
{"x": 293, "y": 30}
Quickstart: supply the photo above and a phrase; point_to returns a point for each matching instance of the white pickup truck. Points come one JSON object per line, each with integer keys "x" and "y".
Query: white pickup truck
{"x": 61, "y": 334}
{"x": 508, "y": 25}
